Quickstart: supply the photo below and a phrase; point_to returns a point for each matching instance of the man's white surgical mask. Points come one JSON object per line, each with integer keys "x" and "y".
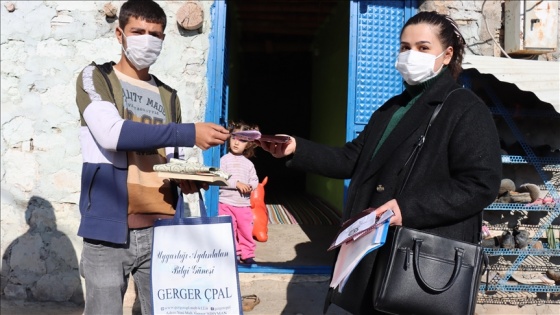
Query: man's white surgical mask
{"x": 142, "y": 50}
{"x": 417, "y": 67}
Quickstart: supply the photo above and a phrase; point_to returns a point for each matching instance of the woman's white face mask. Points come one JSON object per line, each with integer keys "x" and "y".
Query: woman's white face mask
{"x": 416, "y": 67}
{"x": 142, "y": 50}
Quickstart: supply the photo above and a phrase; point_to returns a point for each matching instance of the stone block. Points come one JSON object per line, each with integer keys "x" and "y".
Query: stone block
{"x": 15, "y": 292}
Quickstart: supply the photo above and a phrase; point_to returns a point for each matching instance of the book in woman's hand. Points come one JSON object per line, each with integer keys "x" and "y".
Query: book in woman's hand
{"x": 352, "y": 252}
{"x": 359, "y": 225}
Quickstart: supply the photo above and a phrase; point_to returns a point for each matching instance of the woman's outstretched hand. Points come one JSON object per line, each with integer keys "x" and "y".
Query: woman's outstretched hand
{"x": 279, "y": 150}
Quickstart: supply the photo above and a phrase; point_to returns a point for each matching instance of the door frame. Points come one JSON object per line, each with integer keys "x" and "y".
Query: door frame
{"x": 218, "y": 90}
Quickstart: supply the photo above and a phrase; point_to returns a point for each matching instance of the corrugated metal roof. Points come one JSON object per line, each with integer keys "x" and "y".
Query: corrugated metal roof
{"x": 540, "y": 77}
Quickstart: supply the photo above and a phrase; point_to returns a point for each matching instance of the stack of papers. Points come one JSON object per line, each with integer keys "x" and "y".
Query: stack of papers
{"x": 358, "y": 236}
{"x": 359, "y": 225}
{"x": 180, "y": 169}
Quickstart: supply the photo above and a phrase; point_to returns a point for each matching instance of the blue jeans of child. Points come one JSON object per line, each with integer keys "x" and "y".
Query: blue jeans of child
{"x": 106, "y": 268}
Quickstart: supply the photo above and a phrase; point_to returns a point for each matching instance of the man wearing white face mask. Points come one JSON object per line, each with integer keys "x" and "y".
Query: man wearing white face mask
{"x": 142, "y": 51}
{"x": 130, "y": 121}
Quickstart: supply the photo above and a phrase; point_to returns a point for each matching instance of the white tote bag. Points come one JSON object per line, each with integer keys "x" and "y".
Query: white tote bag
{"x": 194, "y": 266}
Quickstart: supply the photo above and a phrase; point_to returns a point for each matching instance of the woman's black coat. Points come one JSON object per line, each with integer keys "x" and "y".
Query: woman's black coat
{"x": 456, "y": 175}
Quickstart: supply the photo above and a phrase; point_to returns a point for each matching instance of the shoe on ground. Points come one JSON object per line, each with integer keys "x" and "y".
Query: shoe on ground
{"x": 506, "y": 185}
{"x": 493, "y": 242}
{"x": 514, "y": 197}
{"x": 532, "y": 278}
{"x": 533, "y": 190}
{"x": 248, "y": 261}
{"x": 520, "y": 197}
{"x": 249, "y": 302}
{"x": 508, "y": 241}
{"x": 504, "y": 198}
{"x": 522, "y": 239}
{"x": 554, "y": 275}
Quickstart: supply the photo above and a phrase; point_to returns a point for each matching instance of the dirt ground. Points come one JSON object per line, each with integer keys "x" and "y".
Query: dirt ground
{"x": 279, "y": 293}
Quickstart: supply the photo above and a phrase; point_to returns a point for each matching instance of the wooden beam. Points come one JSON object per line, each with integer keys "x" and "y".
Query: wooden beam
{"x": 274, "y": 47}
{"x": 281, "y": 16}
{"x": 305, "y": 7}
{"x": 246, "y": 24}
{"x": 279, "y": 30}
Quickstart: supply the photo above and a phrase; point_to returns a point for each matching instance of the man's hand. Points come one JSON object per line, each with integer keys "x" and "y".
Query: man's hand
{"x": 209, "y": 135}
{"x": 191, "y": 186}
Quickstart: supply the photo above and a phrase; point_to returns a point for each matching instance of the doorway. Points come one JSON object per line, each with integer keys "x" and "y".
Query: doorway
{"x": 281, "y": 55}
{"x": 274, "y": 93}
{"x": 270, "y": 48}
{"x": 329, "y": 48}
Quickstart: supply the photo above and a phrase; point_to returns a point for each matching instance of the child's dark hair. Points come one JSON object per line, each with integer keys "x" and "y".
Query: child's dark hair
{"x": 249, "y": 151}
{"x": 448, "y": 35}
{"x": 147, "y": 10}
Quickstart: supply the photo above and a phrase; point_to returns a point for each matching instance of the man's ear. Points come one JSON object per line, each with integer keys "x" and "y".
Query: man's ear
{"x": 118, "y": 34}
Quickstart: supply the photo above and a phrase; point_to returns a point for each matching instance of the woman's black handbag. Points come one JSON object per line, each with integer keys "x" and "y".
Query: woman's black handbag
{"x": 421, "y": 273}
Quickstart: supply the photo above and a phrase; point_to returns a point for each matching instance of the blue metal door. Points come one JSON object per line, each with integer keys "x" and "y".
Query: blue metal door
{"x": 374, "y": 44}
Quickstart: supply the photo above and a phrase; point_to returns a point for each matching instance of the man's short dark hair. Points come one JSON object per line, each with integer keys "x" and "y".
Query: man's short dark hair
{"x": 147, "y": 10}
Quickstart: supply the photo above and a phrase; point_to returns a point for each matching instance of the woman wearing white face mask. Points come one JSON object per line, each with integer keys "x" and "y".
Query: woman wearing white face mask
{"x": 455, "y": 176}
{"x": 417, "y": 67}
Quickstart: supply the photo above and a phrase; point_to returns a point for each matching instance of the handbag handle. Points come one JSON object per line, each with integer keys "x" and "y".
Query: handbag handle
{"x": 456, "y": 269}
{"x": 180, "y": 208}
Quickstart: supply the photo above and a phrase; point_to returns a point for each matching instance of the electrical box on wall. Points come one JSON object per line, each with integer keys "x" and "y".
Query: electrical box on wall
{"x": 531, "y": 27}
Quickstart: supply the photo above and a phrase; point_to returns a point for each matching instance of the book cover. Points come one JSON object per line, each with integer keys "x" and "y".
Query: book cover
{"x": 359, "y": 225}
{"x": 352, "y": 252}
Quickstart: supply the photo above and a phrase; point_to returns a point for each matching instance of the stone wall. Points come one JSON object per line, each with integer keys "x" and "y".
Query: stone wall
{"x": 44, "y": 45}
{"x": 477, "y": 20}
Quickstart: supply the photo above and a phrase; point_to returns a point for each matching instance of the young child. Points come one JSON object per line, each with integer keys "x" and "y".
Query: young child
{"x": 234, "y": 198}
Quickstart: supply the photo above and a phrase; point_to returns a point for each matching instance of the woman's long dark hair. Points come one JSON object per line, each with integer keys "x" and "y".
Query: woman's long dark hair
{"x": 448, "y": 35}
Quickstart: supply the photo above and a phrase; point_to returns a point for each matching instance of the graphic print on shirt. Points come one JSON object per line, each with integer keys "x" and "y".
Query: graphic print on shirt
{"x": 147, "y": 193}
{"x": 146, "y": 108}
